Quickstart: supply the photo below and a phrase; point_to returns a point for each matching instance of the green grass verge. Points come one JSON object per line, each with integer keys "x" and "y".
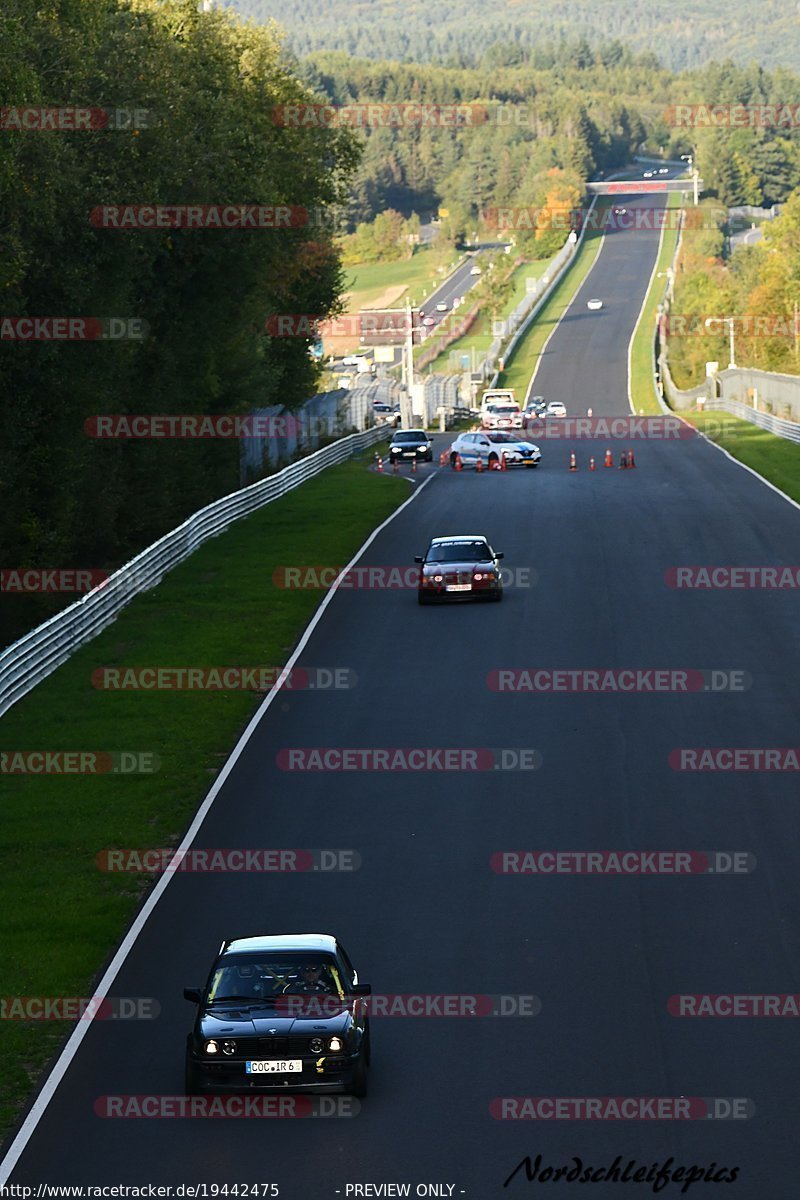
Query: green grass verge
{"x": 366, "y": 282}
{"x": 522, "y": 364}
{"x": 642, "y": 387}
{"x": 480, "y": 335}
{"x": 773, "y": 457}
{"x": 62, "y": 916}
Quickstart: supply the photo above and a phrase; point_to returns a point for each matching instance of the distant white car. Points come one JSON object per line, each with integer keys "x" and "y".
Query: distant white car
{"x": 555, "y": 409}
{"x": 428, "y": 321}
{"x": 648, "y": 175}
{"x": 663, "y": 170}
{"x": 594, "y": 304}
{"x": 441, "y": 306}
{"x": 619, "y": 211}
{"x": 475, "y": 271}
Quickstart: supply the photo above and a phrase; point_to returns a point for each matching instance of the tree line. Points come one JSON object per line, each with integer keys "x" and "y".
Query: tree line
{"x": 205, "y": 88}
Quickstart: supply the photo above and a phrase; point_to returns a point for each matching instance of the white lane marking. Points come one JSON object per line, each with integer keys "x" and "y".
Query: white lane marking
{"x": 28, "y": 1126}
{"x": 773, "y": 487}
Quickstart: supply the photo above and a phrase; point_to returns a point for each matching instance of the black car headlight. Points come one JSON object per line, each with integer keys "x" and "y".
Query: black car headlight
{"x": 228, "y": 1047}
{"x": 336, "y": 1044}
{"x": 316, "y": 1045}
{"x": 212, "y": 1047}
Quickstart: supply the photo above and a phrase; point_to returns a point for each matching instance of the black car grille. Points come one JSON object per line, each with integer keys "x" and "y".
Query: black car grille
{"x": 274, "y": 1047}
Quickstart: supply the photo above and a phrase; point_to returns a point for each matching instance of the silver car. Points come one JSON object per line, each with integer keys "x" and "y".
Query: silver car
{"x": 490, "y": 445}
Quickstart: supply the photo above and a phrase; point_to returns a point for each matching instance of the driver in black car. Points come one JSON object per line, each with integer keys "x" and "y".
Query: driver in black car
{"x": 310, "y": 982}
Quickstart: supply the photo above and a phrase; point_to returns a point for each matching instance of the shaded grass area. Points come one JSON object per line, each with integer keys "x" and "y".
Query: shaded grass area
{"x": 62, "y": 916}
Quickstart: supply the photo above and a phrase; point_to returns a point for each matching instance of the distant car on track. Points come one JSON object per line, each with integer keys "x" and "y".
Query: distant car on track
{"x": 648, "y": 175}
{"x": 594, "y": 304}
{"x": 459, "y": 567}
{"x": 476, "y": 271}
{"x": 279, "y": 1013}
{"x": 388, "y": 414}
{"x": 441, "y": 306}
{"x": 535, "y": 408}
{"x": 555, "y": 409}
{"x": 663, "y": 170}
{"x": 428, "y": 321}
{"x": 409, "y": 444}
{"x": 490, "y": 446}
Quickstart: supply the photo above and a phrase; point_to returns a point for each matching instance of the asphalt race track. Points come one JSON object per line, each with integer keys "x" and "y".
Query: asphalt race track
{"x": 425, "y": 913}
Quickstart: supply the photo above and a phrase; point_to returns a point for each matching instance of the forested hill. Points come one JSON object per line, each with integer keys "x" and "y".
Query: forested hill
{"x": 685, "y": 33}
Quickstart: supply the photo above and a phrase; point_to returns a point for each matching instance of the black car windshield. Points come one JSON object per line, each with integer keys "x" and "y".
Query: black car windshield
{"x": 259, "y": 979}
{"x": 410, "y": 436}
{"x": 445, "y": 552}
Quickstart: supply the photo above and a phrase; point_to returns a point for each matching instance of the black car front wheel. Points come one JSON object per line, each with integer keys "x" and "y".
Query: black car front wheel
{"x": 191, "y": 1085}
{"x": 358, "y": 1085}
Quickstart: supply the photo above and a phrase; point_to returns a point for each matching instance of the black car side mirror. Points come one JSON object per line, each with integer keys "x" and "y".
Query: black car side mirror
{"x": 361, "y": 989}
{"x": 193, "y": 994}
{"x": 418, "y": 558}
{"x": 499, "y": 554}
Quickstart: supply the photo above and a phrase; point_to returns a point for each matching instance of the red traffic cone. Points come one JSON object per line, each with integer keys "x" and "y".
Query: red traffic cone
{"x": 443, "y": 457}
{"x": 479, "y": 465}
{"x": 414, "y": 467}
{"x": 573, "y": 462}
{"x": 503, "y": 463}
{"x": 591, "y": 465}
{"x": 459, "y": 466}
{"x": 631, "y": 460}
{"x": 609, "y": 462}
{"x": 623, "y": 461}
{"x": 380, "y": 464}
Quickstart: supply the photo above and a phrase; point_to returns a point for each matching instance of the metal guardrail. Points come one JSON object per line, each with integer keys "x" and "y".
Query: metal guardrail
{"x": 777, "y": 425}
{"x": 36, "y": 655}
